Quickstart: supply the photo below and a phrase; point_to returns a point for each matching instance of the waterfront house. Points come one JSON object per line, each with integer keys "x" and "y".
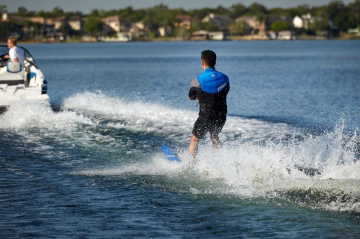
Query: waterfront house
{"x": 40, "y": 20}
{"x": 4, "y": 17}
{"x": 304, "y": 21}
{"x": 285, "y": 35}
{"x": 137, "y": 30}
{"x": 48, "y": 30}
{"x": 76, "y": 23}
{"x": 118, "y": 37}
{"x": 222, "y": 22}
{"x": 58, "y": 23}
{"x": 217, "y": 36}
{"x": 183, "y": 21}
{"x": 164, "y": 31}
{"x": 139, "y": 25}
{"x": 256, "y": 26}
{"x": 272, "y": 35}
{"x": 298, "y": 22}
{"x": 354, "y": 31}
{"x": 116, "y": 24}
{"x": 201, "y": 35}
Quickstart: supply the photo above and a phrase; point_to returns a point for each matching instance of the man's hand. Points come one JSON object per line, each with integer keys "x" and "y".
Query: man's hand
{"x": 195, "y": 83}
{"x": 193, "y": 93}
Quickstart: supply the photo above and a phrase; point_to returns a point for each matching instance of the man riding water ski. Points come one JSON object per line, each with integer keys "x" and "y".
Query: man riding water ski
{"x": 211, "y": 89}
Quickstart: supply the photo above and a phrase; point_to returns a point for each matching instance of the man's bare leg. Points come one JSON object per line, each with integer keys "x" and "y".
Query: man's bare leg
{"x": 215, "y": 141}
{"x": 193, "y": 147}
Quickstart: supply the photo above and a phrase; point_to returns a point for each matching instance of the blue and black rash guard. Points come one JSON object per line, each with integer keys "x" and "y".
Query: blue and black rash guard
{"x": 211, "y": 93}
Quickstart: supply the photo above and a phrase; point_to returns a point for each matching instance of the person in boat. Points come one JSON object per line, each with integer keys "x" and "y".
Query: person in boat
{"x": 210, "y": 89}
{"x": 16, "y": 54}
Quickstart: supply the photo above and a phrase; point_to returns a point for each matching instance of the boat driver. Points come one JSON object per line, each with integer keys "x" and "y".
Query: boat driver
{"x": 16, "y": 54}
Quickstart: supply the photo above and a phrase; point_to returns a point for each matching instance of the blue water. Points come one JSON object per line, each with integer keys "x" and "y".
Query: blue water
{"x": 90, "y": 166}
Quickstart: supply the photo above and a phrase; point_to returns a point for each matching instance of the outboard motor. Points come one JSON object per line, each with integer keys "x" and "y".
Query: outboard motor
{"x": 44, "y": 87}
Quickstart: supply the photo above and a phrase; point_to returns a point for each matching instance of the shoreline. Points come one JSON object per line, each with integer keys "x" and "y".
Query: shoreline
{"x": 246, "y": 38}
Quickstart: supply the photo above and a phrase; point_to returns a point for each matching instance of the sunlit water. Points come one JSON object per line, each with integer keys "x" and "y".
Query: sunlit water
{"x": 90, "y": 165}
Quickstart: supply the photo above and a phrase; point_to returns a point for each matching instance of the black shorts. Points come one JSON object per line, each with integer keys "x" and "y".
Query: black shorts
{"x": 213, "y": 125}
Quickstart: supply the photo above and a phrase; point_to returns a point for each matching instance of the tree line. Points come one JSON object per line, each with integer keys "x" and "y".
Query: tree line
{"x": 335, "y": 14}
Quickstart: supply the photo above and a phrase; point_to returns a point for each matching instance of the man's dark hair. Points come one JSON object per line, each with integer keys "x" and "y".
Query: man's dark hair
{"x": 209, "y": 57}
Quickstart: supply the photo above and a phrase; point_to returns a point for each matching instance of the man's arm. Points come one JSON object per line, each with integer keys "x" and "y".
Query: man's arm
{"x": 194, "y": 93}
{"x": 195, "y": 90}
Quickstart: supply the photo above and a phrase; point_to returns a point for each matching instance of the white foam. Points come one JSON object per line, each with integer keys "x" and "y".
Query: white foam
{"x": 175, "y": 123}
{"x": 33, "y": 114}
{"x": 252, "y": 170}
{"x": 249, "y": 164}
{"x": 325, "y": 151}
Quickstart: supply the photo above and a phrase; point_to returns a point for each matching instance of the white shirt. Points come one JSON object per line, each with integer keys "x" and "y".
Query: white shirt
{"x": 17, "y": 52}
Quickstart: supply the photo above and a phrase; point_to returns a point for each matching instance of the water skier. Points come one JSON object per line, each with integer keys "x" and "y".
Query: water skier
{"x": 210, "y": 88}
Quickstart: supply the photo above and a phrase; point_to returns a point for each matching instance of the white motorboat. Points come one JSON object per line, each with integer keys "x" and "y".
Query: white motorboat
{"x": 21, "y": 82}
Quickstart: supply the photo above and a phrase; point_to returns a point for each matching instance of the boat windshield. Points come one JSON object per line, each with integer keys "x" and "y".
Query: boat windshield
{"x": 4, "y": 50}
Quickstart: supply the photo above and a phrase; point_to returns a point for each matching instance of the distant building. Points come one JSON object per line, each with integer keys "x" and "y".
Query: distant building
{"x": 4, "y": 17}
{"x": 119, "y": 37}
{"x": 203, "y": 35}
{"x": 183, "y": 21}
{"x": 139, "y": 25}
{"x": 285, "y": 35}
{"x": 40, "y": 20}
{"x": 116, "y": 24}
{"x": 298, "y": 22}
{"x": 222, "y": 22}
{"x": 354, "y": 31}
{"x": 272, "y": 35}
{"x": 256, "y": 26}
{"x": 164, "y": 31}
{"x": 56, "y": 22}
{"x": 303, "y": 22}
{"x": 217, "y": 36}
{"x": 137, "y": 30}
{"x": 76, "y": 23}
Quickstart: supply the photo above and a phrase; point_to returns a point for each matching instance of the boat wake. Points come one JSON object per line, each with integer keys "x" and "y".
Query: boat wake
{"x": 258, "y": 159}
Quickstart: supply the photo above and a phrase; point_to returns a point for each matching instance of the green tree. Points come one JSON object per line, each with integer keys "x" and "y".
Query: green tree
{"x": 94, "y": 26}
{"x": 66, "y": 29}
{"x": 320, "y": 24}
{"x": 57, "y": 12}
{"x": 258, "y": 10}
{"x": 182, "y": 33}
{"x": 337, "y": 13}
{"x": 299, "y": 10}
{"x": 239, "y": 28}
{"x": 210, "y": 26}
{"x": 281, "y": 26}
{"x": 22, "y": 11}
{"x": 3, "y": 8}
{"x": 354, "y": 14}
{"x": 237, "y": 10}
{"x": 220, "y": 10}
{"x": 281, "y": 13}
{"x": 8, "y": 29}
{"x": 201, "y": 13}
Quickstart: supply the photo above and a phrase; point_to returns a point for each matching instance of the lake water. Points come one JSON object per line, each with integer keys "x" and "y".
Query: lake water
{"x": 90, "y": 165}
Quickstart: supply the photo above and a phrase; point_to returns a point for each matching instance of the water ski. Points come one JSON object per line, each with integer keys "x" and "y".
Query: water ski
{"x": 170, "y": 155}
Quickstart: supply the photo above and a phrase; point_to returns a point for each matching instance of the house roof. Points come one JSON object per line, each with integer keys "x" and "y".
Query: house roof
{"x": 184, "y": 17}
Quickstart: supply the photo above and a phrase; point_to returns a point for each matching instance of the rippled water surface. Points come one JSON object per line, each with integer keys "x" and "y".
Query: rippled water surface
{"x": 90, "y": 165}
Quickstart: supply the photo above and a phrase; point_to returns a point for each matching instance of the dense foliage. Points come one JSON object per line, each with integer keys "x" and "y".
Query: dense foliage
{"x": 335, "y": 15}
